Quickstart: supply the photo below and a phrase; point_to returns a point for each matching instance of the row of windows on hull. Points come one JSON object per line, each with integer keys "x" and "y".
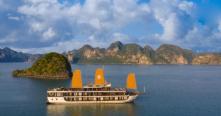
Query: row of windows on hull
{"x": 96, "y": 98}
{"x": 60, "y": 94}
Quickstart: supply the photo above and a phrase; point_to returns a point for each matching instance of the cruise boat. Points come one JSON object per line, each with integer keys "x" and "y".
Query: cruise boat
{"x": 98, "y": 92}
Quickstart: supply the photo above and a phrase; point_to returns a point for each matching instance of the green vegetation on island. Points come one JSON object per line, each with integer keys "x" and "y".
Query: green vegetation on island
{"x": 49, "y": 66}
{"x": 130, "y": 53}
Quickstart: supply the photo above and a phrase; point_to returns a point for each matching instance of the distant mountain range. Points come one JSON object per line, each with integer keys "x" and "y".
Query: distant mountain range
{"x": 9, "y": 55}
{"x": 119, "y": 53}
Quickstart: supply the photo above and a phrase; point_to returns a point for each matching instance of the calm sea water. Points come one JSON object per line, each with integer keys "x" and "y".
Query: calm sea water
{"x": 171, "y": 90}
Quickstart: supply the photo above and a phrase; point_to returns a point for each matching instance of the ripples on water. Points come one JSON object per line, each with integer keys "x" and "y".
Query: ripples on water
{"x": 171, "y": 90}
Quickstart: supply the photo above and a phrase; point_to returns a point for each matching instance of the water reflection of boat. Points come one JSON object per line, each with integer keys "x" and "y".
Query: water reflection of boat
{"x": 90, "y": 109}
{"x": 98, "y": 92}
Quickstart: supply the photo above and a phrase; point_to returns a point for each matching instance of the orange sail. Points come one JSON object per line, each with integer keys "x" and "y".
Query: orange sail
{"x": 76, "y": 79}
{"x": 99, "y": 77}
{"x": 131, "y": 81}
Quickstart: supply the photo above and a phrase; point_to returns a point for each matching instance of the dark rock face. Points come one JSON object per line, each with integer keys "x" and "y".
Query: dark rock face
{"x": 116, "y": 45}
{"x": 116, "y": 53}
{"x": 149, "y": 51}
{"x": 135, "y": 54}
{"x": 119, "y": 53}
{"x": 49, "y": 66}
{"x": 171, "y": 54}
{"x": 114, "y": 48}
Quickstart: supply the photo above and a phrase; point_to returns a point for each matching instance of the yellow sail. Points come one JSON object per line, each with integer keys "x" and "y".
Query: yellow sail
{"x": 131, "y": 81}
{"x": 76, "y": 79}
{"x": 99, "y": 77}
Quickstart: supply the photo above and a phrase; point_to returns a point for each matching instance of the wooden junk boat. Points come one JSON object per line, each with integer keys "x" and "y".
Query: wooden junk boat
{"x": 99, "y": 92}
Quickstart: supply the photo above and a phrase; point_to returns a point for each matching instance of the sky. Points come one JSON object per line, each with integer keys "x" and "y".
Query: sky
{"x": 39, "y": 26}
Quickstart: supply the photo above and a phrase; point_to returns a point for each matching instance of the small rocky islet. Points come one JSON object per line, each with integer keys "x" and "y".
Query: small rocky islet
{"x": 49, "y": 66}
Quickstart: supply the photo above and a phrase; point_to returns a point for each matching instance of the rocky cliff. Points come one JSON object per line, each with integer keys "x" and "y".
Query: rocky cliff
{"x": 116, "y": 53}
{"x": 119, "y": 53}
{"x": 207, "y": 58}
{"x": 171, "y": 54}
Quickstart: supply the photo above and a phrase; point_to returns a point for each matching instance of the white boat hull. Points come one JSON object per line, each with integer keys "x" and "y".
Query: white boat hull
{"x": 61, "y": 100}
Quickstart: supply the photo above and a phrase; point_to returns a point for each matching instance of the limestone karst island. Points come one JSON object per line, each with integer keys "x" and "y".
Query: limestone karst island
{"x": 49, "y": 66}
{"x": 119, "y": 53}
{"x": 58, "y": 66}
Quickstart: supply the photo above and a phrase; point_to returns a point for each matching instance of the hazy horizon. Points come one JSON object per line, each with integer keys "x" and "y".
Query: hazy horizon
{"x": 22, "y": 50}
{"x": 43, "y": 52}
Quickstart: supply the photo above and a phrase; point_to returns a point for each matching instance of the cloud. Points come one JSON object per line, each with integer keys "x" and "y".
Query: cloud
{"x": 3, "y": 6}
{"x": 1, "y": 3}
{"x": 97, "y": 19}
{"x": 49, "y": 34}
{"x": 186, "y": 6}
{"x": 37, "y": 27}
{"x": 6, "y": 5}
{"x": 47, "y": 25}
{"x": 98, "y": 14}
{"x": 11, "y": 38}
{"x": 174, "y": 17}
{"x": 219, "y": 25}
{"x": 12, "y": 17}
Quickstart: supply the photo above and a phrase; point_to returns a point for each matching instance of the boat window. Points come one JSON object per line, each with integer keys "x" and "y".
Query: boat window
{"x": 54, "y": 94}
{"x": 98, "y": 99}
{"x": 90, "y": 99}
{"x": 84, "y": 98}
{"x": 58, "y": 94}
{"x": 106, "y": 98}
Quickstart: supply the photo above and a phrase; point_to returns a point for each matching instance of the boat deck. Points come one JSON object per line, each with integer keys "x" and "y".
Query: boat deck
{"x": 89, "y": 89}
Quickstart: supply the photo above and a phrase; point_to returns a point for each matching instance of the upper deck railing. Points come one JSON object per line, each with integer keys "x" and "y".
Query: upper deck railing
{"x": 88, "y": 89}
